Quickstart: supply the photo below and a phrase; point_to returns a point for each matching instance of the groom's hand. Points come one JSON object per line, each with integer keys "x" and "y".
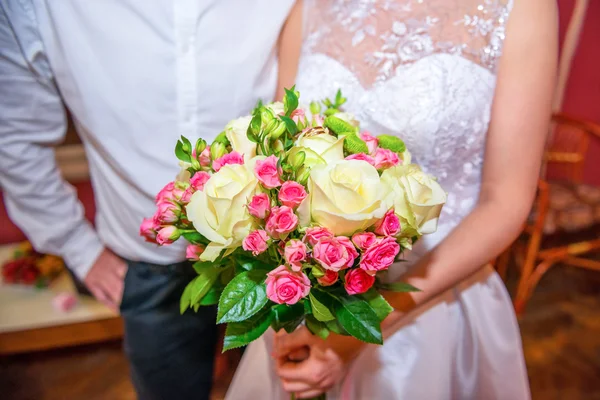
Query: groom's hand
{"x": 105, "y": 279}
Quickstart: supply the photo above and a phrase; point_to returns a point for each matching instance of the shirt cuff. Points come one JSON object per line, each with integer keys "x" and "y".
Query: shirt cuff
{"x": 82, "y": 250}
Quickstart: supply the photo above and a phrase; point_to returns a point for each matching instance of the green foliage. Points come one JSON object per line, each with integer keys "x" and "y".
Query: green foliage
{"x": 290, "y": 125}
{"x": 194, "y": 237}
{"x": 290, "y": 100}
{"x": 240, "y": 334}
{"x": 243, "y": 297}
{"x": 287, "y": 317}
{"x": 392, "y": 143}
{"x": 203, "y": 283}
{"x": 222, "y": 138}
{"x": 353, "y": 144}
{"x": 400, "y": 287}
{"x": 317, "y": 327}
{"x": 381, "y": 307}
{"x": 319, "y": 310}
{"x": 338, "y": 125}
{"x": 180, "y": 153}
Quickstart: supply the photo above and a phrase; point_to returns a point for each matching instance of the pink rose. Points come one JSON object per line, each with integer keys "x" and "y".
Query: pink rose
{"x": 199, "y": 180}
{"x": 256, "y": 242}
{"x": 230, "y": 158}
{"x": 380, "y": 256}
{"x": 358, "y": 281}
{"x": 285, "y": 286}
{"x": 281, "y": 221}
{"x": 298, "y": 115}
{"x": 294, "y": 253}
{"x": 259, "y": 206}
{"x": 371, "y": 141}
{"x": 328, "y": 279}
{"x": 291, "y": 194}
{"x": 361, "y": 157}
{"x": 312, "y": 235}
{"x": 167, "y": 213}
{"x": 364, "y": 240}
{"x": 333, "y": 254}
{"x": 204, "y": 158}
{"x": 167, "y": 235}
{"x": 267, "y": 173}
{"x": 389, "y": 225}
{"x": 193, "y": 251}
{"x": 385, "y": 158}
{"x": 169, "y": 192}
{"x": 148, "y": 230}
{"x": 187, "y": 195}
{"x": 347, "y": 243}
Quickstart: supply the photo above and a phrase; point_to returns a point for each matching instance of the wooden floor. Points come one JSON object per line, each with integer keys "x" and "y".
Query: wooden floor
{"x": 561, "y": 336}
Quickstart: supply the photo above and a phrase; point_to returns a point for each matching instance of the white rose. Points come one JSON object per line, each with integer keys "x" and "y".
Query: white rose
{"x": 326, "y": 146}
{"x": 236, "y": 134}
{"x": 346, "y": 196}
{"x": 219, "y": 211}
{"x": 417, "y": 197}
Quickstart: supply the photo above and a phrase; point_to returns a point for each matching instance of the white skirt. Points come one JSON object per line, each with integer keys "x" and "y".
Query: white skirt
{"x": 463, "y": 345}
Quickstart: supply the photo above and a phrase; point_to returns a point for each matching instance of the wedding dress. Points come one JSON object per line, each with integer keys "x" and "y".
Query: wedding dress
{"x": 424, "y": 70}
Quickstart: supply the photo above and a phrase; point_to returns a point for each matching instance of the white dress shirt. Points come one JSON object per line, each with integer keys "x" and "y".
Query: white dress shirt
{"x": 136, "y": 75}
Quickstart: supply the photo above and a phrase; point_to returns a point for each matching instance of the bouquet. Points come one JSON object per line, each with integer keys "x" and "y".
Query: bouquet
{"x": 293, "y": 215}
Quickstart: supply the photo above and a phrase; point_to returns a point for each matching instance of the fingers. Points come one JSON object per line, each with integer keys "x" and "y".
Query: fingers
{"x": 295, "y": 387}
{"x": 286, "y": 343}
{"x": 309, "y": 394}
{"x": 101, "y": 296}
{"x": 300, "y": 354}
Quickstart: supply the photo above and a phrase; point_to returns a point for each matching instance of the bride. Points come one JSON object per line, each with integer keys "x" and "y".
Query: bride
{"x": 467, "y": 84}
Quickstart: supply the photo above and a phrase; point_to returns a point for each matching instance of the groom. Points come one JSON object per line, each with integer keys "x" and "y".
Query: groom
{"x": 135, "y": 76}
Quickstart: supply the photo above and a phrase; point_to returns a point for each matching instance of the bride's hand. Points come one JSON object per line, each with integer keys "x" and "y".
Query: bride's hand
{"x": 324, "y": 367}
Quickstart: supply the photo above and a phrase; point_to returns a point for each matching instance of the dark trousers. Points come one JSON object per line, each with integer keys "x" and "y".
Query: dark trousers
{"x": 170, "y": 355}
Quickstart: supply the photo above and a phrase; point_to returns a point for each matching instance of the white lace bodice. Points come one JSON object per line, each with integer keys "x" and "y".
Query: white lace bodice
{"x": 420, "y": 69}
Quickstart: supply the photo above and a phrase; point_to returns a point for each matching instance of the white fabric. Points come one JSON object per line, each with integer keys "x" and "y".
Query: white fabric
{"x": 136, "y": 75}
{"x": 433, "y": 86}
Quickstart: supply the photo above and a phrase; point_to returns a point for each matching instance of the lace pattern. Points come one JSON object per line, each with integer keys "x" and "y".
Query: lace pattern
{"x": 420, "y": 69}
{"x": 373, "y": 37}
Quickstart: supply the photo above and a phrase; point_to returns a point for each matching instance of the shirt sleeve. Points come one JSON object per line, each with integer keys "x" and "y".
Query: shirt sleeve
{"x": 32, "y": 121}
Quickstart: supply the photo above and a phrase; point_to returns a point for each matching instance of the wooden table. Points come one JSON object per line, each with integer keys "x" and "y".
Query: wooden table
{"x": 29, "y": 322}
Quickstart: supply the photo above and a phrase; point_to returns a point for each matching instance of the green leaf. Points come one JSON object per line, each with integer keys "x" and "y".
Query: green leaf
{"x": 392, "y": 143}
{"x": 194, "y": 238}
{"x": 239, "y": 334}
{"x": 180, "y": 153}
{"x": 186, "y": 297}
{"x": 316, "y": 327}
{"x": 319, "y": 310}
{"x": 187, "y": 145}
{"x": 243, "y": 297}
{"x": 400, "y": 287}
{"x": 203, "y": 283}
{"x": 335, "y": 327}
{"x": 338, "y": 125}
{"x": 290, "y": 101}
{"x": 290, "y": 125}
{"x": 357, "y": 317}
{"x": 222, "y": 138}
{"x": 381, "y": 307}
{"x": 212, "y": 296}
{"x": 201, "y": 266}
{"x": 251, "y": 263}
{"x": 353, "y": 144}
{"x": 287, "y": 317}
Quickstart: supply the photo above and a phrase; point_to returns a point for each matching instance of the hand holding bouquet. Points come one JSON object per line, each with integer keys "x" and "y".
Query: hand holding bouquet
{"x": 293, "y": 215}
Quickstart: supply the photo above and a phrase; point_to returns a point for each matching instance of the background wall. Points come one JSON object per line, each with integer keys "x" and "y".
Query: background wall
{"x": 582, "y": 95}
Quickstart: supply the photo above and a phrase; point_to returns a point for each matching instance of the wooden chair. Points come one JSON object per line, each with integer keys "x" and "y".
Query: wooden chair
{"x": 566, "y": 155}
